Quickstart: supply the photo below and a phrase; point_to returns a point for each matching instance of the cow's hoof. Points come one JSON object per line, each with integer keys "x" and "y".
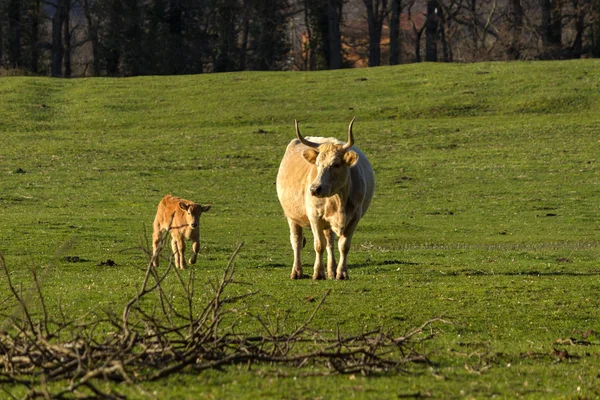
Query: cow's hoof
{"x": 318, "y": 277}
{"x": 191, "y": 261}
{"x": 296, "y": 275}
{"x": 342, "y": 276}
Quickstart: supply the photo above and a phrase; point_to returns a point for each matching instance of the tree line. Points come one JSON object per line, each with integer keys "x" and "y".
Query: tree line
{"x": 66, "y": 38}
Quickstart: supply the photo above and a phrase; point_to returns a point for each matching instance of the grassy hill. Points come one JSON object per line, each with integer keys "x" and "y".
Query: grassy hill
{"x": 486, "y": 211}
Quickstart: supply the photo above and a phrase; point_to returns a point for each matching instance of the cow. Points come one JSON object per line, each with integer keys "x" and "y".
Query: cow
{"x": 182, "y": 218}
{"x": 326, "y": 185}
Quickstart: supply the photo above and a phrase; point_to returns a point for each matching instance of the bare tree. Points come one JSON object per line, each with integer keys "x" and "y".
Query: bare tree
{"x": 551, "y": 28}
{"x": 377, "y": 11}
{"x": 57, "y": 44}
{"x": 417, "y": 31}
{"x": 92, "y": 35}
{"x": 67, "y": 39}
{"x": 334, "y": 18}
{"x": 432, "y": 34}
{"x": 14, "y": 33}
{"x": 395, "y": 42}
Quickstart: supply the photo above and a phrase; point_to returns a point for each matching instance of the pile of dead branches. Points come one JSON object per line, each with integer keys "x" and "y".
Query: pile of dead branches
{"x": 153, "y": 339}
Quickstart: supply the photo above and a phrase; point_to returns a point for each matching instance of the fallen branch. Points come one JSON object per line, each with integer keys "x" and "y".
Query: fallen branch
{"x": 152, "y": 343}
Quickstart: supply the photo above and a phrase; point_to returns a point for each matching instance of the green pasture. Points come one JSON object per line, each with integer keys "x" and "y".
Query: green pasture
{"x": 486, "y": 211}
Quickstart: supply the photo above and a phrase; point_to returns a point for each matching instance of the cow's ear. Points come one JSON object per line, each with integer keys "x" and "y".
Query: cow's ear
{"x": 351, "y": 158}
{"x": 206, "y": 208}
{"x": 310, "y": 155}
{"x": 183, "y": 206}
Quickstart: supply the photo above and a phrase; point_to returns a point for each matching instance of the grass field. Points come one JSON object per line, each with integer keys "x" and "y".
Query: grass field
{"x": 486, "y": 211}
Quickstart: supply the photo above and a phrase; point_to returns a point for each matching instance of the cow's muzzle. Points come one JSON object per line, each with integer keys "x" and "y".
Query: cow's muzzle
{"x": 316, "y": 190}
{"x": 194, "y": 226}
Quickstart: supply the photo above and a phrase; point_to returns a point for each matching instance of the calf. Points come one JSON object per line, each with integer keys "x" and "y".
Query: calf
{"x": 182, "y": 218}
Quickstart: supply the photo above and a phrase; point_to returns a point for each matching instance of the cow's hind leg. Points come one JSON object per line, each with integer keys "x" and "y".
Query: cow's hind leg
{"x": 298, "y": 241}
{"x": 331, "y": 264}
{"x": 344, "y": 242}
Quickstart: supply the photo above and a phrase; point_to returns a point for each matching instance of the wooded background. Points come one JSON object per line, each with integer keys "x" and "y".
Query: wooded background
{"x": 71, "y": 38}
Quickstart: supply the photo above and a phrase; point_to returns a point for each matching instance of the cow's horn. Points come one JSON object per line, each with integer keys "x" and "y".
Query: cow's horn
{"x": 301, "y": 138}
{"x": 350, "y": 136}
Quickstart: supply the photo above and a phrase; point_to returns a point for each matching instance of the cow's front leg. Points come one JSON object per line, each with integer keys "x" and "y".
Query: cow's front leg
{"x": 195, "y": 250}
{"x": 330, "y": 237}
{"x": 296, "y": 239}
{"x": 344, "y": 242}
{"x": 319, "y": 270}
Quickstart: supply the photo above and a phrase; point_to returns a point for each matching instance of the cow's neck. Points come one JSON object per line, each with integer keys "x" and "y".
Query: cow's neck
{"x": 335, "y": 209}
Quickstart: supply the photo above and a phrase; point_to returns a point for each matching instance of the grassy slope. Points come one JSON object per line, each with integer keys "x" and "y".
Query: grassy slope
{"x": 486, "y": 208}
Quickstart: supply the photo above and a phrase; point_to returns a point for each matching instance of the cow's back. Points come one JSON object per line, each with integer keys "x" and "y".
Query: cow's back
{"x": 295, "y": 174}
{"x": 363, "y": 181}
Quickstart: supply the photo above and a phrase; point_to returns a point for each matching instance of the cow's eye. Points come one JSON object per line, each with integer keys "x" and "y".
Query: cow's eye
{"x": 337, "y": 165}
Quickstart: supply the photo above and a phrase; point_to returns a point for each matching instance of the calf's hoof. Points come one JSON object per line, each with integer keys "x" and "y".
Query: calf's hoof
{"x": 320, "y": 276}
{"x": 192, "y": 261}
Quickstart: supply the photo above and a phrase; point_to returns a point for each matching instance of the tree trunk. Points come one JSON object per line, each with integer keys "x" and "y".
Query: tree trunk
{"x": 310, "y": 61}
{"x": 431, "y": 31}
{"x": 1, "y": 44}
{"x": 112, "y": 42}
{"x": 67, "y": 38}
{"x": 579, "y": 10}
{"x": 516, "y": 28}
{"x": 334, "y": 18}
{"x": 551, "y": 27}
{"x": 92, "y": 35}
{"x": 395, "y": 41}
{"x": 35, "y": 33}
{"x": 57, "y": 45}
{"x": 226, "y": 47}
{"x": 376, "y": 12}
{"x": 14, "y": 33}
{"x": 595, "y": 35}
{"x": 245, "y": 34}
{"x": 177, "y": 56}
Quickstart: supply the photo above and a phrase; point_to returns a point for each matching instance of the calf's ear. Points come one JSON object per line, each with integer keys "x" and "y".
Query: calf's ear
{"x": 205, "y": 208}
{"x": 310, "y": 155}
{"x": 183, "y": 206}
{"x": 351, "y": 158}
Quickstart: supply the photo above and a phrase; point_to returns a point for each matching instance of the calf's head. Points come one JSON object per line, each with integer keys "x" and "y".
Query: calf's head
{"x": 192, "y": 213}
{"x": 333, "y": 162}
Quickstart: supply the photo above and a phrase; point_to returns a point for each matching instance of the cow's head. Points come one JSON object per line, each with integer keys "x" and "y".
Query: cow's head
{"x": 193, "y": 212}
{"x": 333, "y": 162}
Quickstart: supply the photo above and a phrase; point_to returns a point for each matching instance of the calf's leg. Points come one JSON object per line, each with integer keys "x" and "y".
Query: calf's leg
{"x": 155, "y": 244}
{"x": 178, "y": 247}
{"x": 195, "y": 250}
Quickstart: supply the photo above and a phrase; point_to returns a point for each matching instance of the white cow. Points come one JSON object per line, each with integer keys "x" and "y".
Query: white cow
{"x": 326, "y": 185}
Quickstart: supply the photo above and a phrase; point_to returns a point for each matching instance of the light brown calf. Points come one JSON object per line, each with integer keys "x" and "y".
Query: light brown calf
{"x": 182, "y": 218}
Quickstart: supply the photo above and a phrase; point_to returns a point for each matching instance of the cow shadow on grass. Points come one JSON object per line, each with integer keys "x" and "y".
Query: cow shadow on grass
{"x": 473, "y": 272}
{"x": 384, "y": 263}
